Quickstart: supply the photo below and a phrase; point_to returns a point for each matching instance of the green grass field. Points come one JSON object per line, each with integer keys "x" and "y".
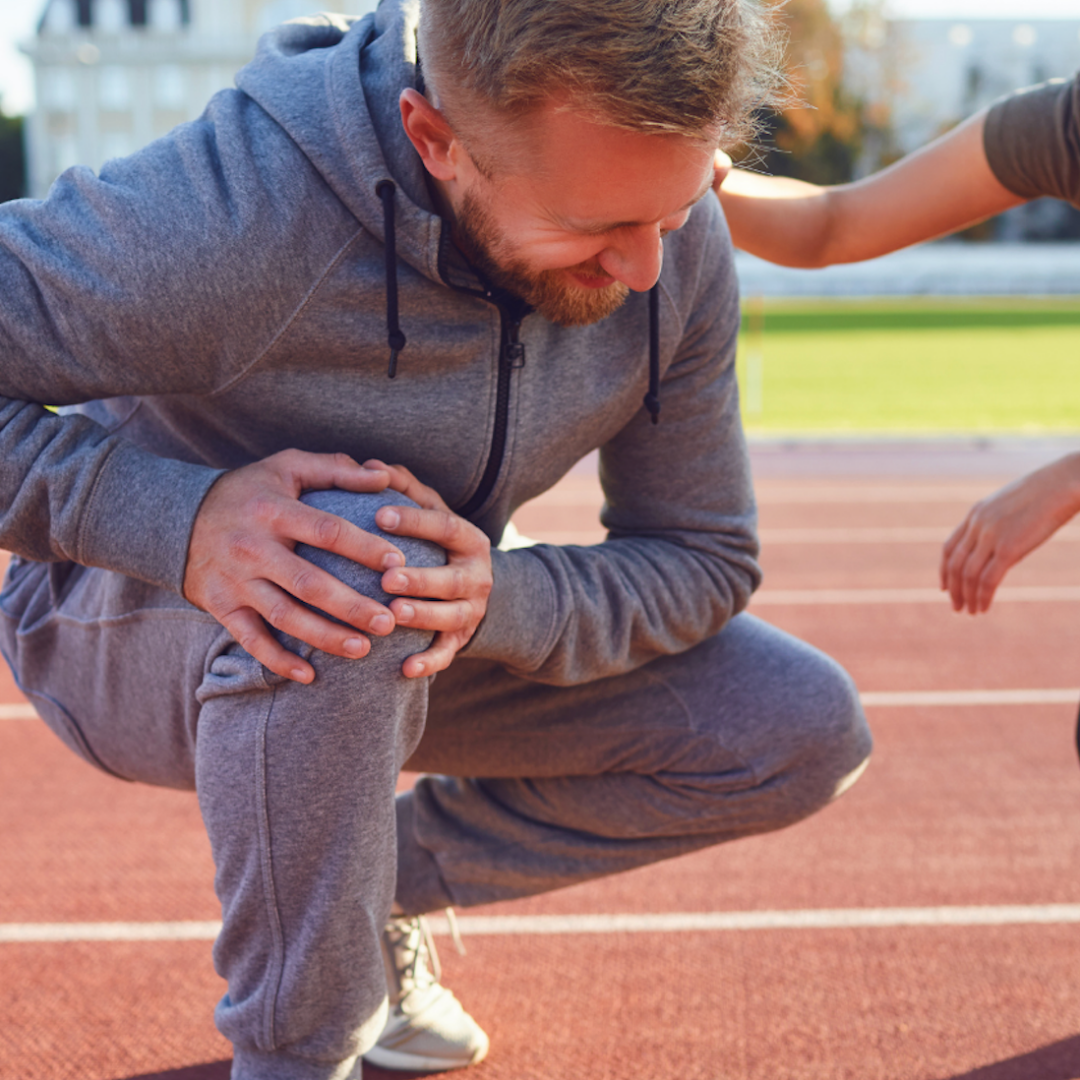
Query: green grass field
{"x": 921, "y": 365}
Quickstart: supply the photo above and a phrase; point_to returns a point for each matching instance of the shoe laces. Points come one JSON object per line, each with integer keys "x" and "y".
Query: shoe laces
{"x": 412, "y": 953}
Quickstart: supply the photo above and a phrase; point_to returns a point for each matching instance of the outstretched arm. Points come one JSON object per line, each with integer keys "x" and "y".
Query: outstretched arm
{"x": 944, "y": 186}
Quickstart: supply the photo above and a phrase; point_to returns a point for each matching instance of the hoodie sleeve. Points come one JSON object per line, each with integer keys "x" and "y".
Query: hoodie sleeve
{"x": 164, "y": 275}
{"x": 680, "y": 558}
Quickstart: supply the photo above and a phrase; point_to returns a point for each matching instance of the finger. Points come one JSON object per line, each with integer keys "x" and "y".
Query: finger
{"x": 251, "y": 634}
{"x": 436, "y": 658}
{"x": 722, "y": 165}
{"x": 451, "y": 582}
{"x": 972, "y": 572}
{"x": 445, "y": 616}
{"x": 947, "y": 550}
{"x": 285, "y": 613}
{"x": 300, "y": 580}
{"x": 317, "y": 528}
{"x": 307, "y": 471}
{"x": 992, "y": 576}
{"x": 442, "y": 527}
{"x": 403, "y": 481}
{"x": 957, "y": 565}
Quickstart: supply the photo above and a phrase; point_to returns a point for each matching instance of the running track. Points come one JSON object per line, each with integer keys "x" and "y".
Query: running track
{"x": 926, "y": 927}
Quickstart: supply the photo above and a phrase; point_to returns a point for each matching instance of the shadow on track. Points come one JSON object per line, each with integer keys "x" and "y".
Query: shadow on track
{"x": 212, "y": 1070}
{"x": 1058, "y": 1061}
{"x": 219, "y": 1070}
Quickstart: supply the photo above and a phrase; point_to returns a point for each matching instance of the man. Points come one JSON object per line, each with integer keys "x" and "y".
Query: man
{"x": 218, "y": 307}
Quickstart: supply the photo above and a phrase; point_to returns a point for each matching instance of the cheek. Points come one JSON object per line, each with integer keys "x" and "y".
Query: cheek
{"x": 559, "y": 252}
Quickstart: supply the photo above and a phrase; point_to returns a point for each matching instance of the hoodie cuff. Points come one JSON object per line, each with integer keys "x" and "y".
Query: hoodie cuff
{"x": 140, "y": 514}
{"x": 519, "y": 629}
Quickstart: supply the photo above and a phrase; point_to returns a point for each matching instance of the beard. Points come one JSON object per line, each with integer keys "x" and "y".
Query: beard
{"x": 549, "y": 292}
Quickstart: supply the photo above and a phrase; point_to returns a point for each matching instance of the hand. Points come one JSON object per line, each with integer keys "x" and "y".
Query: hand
{"x": 722, "y": 165}
{"x": 242, "y": 568}
{"x": 1001, "y": 529}
{"x": 455, "y": 595}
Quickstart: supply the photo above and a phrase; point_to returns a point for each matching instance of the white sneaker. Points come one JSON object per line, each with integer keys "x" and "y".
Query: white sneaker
{"x": 428, "y": 1030}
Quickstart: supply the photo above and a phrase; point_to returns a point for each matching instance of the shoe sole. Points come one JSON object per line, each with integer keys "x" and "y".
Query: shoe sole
{"x": 399, "y": 1062}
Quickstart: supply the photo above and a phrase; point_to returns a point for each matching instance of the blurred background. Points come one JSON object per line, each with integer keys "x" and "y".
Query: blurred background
{"x": 82, "y": 81}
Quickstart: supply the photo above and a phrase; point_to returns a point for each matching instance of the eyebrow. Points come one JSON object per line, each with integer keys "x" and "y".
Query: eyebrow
{"x": 602, "y": 227}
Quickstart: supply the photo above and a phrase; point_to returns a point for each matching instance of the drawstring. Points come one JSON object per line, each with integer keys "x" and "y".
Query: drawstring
{"x": 396, "y": 339}
{"x": 652, "y": 398}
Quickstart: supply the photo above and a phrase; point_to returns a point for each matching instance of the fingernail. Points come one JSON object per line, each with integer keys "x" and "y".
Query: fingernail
{"x": 382, "y": 624}
{"x": 300, "y": 675}
{"x": 406, "y": 612}
{"x": 397, "y": 582}
{"x": 392, "y": 559}
{"x": 389, "y": 519}
{"x": 355, "y": 646}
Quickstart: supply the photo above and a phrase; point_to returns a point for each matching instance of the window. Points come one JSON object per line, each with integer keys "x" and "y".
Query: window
{"x": 164, "y": 14}
{"x": 111, "y": 16}
{"x": 58, "y": 87}
{"x": 62, "y": 17}
{"x": 114, "y": 88}
{"x": 169, "y": 87}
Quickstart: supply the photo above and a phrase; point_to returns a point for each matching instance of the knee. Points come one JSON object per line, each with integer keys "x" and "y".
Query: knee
{"x": 832, "y": 743}
{"x": 360, "y": 509}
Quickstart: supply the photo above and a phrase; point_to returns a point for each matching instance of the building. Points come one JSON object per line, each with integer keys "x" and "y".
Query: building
{"x": 923, "y": 76}
{"x": 931, "y": 73}
{"x": 112, "y": 75}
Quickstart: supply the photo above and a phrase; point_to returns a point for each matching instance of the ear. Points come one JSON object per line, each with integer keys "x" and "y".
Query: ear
{"x": 428, "y": 131}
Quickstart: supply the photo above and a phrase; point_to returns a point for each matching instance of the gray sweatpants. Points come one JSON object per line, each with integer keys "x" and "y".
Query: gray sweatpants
{"x": 537, "y": 786}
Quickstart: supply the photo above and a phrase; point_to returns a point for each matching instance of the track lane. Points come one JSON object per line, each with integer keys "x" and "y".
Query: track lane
{"x": 962, "y": 805}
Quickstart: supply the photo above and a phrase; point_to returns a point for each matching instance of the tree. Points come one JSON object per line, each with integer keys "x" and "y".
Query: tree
{"x": 12, "y": 158}
{"x": 822, "y": 134}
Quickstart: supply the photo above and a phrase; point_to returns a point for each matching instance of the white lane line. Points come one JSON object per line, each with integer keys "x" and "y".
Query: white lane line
{"x": 17, "y": 712}
{"x": 901, "y": 534}
{"x": 819, "y": 919}
{"x": 877, "y": 493}
{"x": 816, "y": 597}
{"x": 40, "y": 933}
{"x": 664, "y": 923}
{"x": 908, "y": 698}
{"x": 877, "y": 698}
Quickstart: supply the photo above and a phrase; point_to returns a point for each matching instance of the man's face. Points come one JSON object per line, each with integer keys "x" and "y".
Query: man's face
{"x": 576, "y": 221}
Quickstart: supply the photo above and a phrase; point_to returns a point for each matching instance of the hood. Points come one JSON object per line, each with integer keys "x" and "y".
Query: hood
{"x": 333, "y": 82}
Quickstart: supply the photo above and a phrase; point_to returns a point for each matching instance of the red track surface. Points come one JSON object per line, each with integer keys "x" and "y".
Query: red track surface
{"x": 961, "y": 806}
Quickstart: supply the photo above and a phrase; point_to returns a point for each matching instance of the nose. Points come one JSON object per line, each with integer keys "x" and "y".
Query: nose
{"x": 635, "y": 257}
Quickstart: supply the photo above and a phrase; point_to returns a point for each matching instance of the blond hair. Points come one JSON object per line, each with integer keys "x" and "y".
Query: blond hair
{"x": 700, "y": 68}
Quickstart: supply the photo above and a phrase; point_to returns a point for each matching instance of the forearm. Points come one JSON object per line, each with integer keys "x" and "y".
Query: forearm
{"x": 69, "y": 490}
{"x": 945, "y": 186}
{"x": 569, "y": 615}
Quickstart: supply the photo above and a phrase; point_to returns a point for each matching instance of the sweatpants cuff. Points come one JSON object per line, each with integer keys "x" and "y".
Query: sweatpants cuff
{"x": 253, "y": 1065}
{"x": 420, "y": 886}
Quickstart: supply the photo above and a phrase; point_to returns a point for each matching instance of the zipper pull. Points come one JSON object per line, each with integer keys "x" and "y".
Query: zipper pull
{"x": 515, "y": 349}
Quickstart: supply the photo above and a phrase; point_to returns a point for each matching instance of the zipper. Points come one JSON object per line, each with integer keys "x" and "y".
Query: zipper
{"x": 511, "y": 357}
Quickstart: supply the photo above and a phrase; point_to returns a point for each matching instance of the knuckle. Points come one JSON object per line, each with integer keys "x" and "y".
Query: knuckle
{"x": 327, "y": 530}
{"x": 264, "y": 510}
{"x": 242, "y": 547}
{"x": 279, "y": 613}
{"x": 306, "y": 583}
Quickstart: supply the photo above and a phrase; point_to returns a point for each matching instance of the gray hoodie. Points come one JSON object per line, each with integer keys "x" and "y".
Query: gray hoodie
{"x": 222, "y": 295}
